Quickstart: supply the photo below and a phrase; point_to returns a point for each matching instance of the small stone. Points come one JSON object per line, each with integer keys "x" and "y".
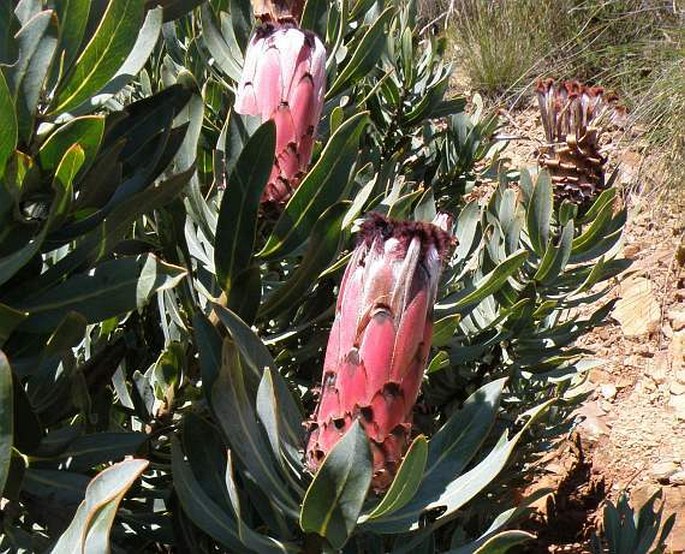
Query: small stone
{"x": 676, "y": 351}
{"x": 657, "y": 368}
{"x": 677, "y": 319}
{"x": 678, "y": 405}
{"x": 603, "y": 333}
{"x": 641, "y": 494}
{"x": 624, "y": 383}
{"x": 637, "y": 311}
{"x": 677, "y": 388}
{"x": 649, "y": 386}
{"x": 630, "y": 251}
{"x": 608, "y": 391}
{"x": 662, "y": 471}
{"x": 677, "y": 478}
{"x": 606, "y": 406}
{"x": 599, "y": 376}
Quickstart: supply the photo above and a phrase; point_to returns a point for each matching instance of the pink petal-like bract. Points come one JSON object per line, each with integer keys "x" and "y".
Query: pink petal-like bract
{"x": 284, "y": 79}
{"x": 380, "y": 341}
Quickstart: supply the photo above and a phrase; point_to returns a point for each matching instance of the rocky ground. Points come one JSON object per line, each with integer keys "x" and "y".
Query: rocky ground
{"x": 634, "y": 425}
{"x": 632, "y": 435}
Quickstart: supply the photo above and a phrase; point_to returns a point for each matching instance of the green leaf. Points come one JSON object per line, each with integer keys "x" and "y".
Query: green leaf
{"x": 234, "y": 136}
{"x": 206, "y": 455}
{"x": 444, "y": 330}
{"x": 258, "y": 358}
{"x": 89, "y": 530}
{"x": 499, "y": 544}
{"x": 599, "y": 224}
{"x": 556, "y": 256}
{"x": 9, "y": 321}
{"x": 321, "y": 188}
{"x": 134, "y": 63}
{"x": 242, "y": 21}
{"x": 604, "y": 244}
{"x": 173, "y": 9}
{"x": 87, "y": 132}
{"x": 63, "y": 185}
{"x": 607, "y": 197}
{"x": 197, "y": 504}
{"x": 98, "y": 448}
{"x": 540, "y": 213}
{"x": 237, "y": 418}
{"x": 37, "y": 42}
{"x": 6, "y": 419}
{"x": 237, "y": 224}
{"x": 246, "y": 294}
{"x": 112, "y": 288}
{"x": 210, "y": 517}
{"x": 254, "y": 541}
{"x": 10, "y": 265}
{"x": 26, "y": 9}
{"x": 284, "y": 445}
{"x": 488, "y": 285}
{"x": 457, "y": 492}
{"x": 320, "y": 253}
{"x": 223, "y": 54}
{"x": 8, "y": 28}
{"x": 449, "y": 107}
{"x": 440, "y": 361}
{"x": 335, "y": 497}
{"x": 103, "y": 55}
{"x": 73, "y": 18}
{"x": 449, "y": 452}
{"x": 64, "y": 487}
{"x": 467, "y": 230}
{"x": 407, "y": 479}
{"x": 315, "y": 17}
{"x": 8, "y": 129}
{"x": 208, "y": 341}
{"x": 251, "y": 347}
{"x": 365, "y": 55}
{"x": 430, "y": 100}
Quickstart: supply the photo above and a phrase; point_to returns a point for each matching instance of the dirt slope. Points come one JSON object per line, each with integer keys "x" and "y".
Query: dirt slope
{"x": 632, "y": 435}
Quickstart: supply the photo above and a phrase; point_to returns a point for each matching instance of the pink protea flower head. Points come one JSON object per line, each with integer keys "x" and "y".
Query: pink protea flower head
{"x": 380, "y": 340}
{"x": 284, "y": 79}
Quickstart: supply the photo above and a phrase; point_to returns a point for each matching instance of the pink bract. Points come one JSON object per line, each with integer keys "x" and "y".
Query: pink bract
{"x": 284, "y": 79}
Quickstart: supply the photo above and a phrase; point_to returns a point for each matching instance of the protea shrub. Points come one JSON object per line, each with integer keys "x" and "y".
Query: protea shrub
{"x": 574, "y": 117}
{"x": 380, "y": 340}
{"x": 137, "y": 406}
{"x": 284, "y": 80}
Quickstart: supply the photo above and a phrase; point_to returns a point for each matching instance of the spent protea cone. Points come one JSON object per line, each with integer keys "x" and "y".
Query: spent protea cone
{"x": 380, "y": 340}
{"x": 278, "y": 10}
{"x": 284, "y": 79}
{"x": 574, "y": 116}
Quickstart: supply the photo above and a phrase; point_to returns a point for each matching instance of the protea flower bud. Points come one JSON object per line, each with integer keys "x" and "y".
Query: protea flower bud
{"x": 284, "y": 79}
{"x": 380, "y": 340}
{"x": 574, "y": 116}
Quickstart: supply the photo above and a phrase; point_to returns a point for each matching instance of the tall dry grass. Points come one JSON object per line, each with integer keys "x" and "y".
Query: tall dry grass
{"x": 635, "y": 47}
